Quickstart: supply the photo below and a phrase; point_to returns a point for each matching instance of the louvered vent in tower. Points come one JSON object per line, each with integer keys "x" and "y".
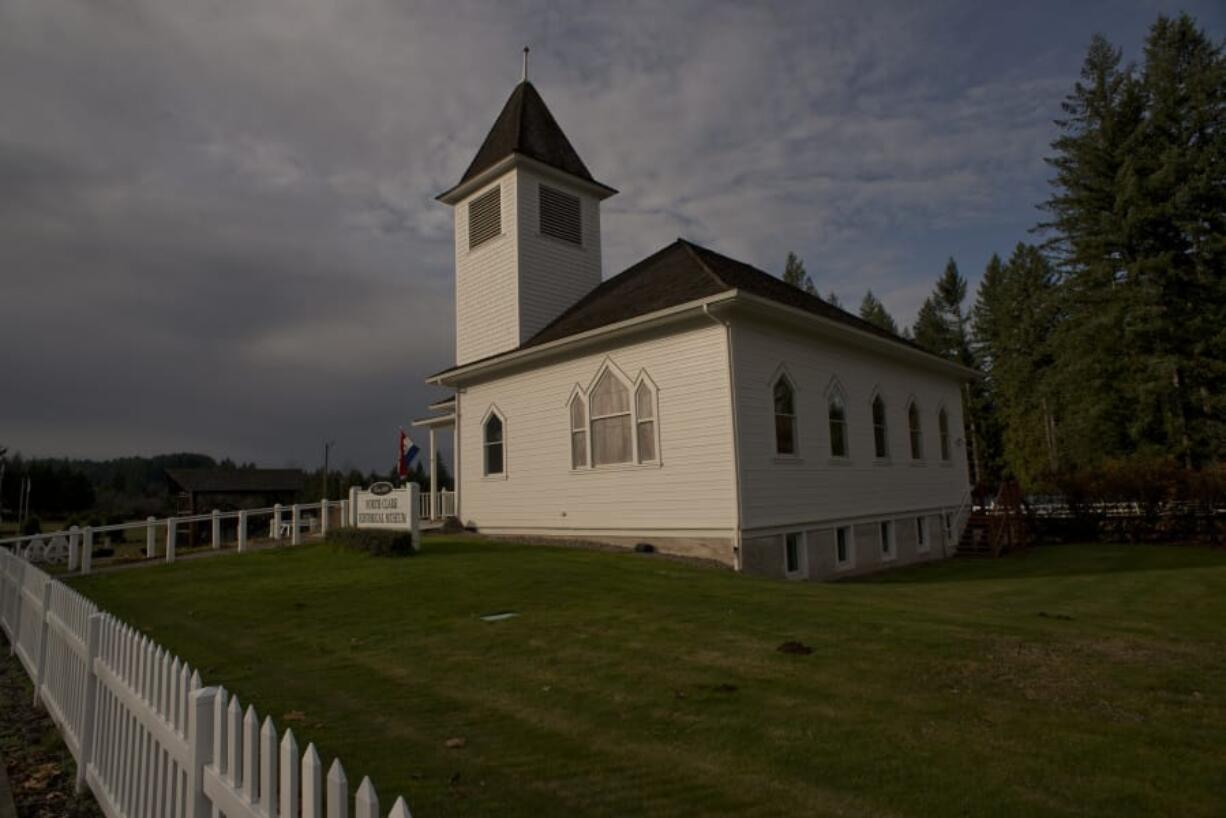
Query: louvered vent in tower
{"x": 484, "y": 217}
{"x": 560, "y": 215}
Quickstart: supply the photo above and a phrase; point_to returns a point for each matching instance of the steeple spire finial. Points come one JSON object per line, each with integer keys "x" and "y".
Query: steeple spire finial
{"x": 525, "y": 77}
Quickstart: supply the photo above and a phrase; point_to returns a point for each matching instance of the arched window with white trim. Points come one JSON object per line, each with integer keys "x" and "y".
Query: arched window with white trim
{"x": 943, "y": 428}
{"x": 836, "y": 412}
{"x": 645, "y": 422}
{"x": 578, "y": 432}
{"x": 611, "y": 421}
{"x": 494, "y": 445}
{"x": 784, "y": 395}
{"x": 881, "y": 436}
{"x": 915, "y": 431}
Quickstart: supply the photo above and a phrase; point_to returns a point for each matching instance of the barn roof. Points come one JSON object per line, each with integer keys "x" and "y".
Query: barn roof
{"x": 237, "y": 481}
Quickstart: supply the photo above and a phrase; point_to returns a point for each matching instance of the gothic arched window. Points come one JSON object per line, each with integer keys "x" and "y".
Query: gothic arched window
{"x": 784, "y": 395}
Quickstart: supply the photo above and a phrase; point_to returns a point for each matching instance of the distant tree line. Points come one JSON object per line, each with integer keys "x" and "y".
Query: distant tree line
{"x": 129, "y": 488}
{"x": 1104, "y": 342}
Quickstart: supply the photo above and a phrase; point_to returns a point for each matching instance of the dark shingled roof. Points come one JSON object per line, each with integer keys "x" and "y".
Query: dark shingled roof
{"x": 237, "y": 481}
{"x": 526, "y": 127}
{"x": 683, "y": 272}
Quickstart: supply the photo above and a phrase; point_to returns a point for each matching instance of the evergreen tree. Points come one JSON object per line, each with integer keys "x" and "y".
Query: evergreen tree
{"x": 1013, "y": 319}
{"x": 941, "y": 328}
{"x": 794, "y": 274}
{"x": 1101, "y": 116}
{"x": 874, "y": 312}
{"x": 1173, "y": 204}
{"x": 833, "y": 300}
{"x": 929, "y": 330}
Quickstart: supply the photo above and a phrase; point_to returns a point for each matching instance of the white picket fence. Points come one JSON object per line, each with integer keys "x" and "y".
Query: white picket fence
{"x": 150, "y": 740}
{"x": 75, "y": 546}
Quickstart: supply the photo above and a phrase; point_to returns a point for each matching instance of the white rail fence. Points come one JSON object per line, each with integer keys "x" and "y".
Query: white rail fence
{"x": 150, "y": 740}
{"x": 75, "y": 546}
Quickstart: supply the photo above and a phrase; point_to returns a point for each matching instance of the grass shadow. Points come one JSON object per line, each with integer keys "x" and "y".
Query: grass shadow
{"x": 1057, "y": 561}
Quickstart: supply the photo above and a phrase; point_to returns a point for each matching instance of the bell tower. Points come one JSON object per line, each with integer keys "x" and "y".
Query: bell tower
{"x": 527, "y": 229}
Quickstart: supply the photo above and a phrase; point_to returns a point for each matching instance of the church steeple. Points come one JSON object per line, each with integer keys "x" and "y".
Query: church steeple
{"x": 525, "y": 127}
{"x": 527, "y": 229}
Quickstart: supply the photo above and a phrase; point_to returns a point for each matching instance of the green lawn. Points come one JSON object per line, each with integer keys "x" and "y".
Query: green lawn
{"x": 1073, "y": 681}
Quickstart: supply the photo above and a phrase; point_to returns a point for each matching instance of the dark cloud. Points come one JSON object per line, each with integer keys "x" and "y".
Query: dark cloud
{"x": 217, "y": 225}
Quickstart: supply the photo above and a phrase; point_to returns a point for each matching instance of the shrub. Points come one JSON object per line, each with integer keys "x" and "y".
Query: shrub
{"x": 375, "y": 541}
{"x": 32, "y": 525}
{"x": 1140, "y": 498}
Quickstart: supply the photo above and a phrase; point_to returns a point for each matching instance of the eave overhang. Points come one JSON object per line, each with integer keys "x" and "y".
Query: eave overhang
{"x": 513, "y": 160}
{"x": 726, "y": 303}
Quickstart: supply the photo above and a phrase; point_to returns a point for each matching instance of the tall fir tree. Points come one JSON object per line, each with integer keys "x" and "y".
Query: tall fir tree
{"x": 794, "y": 273}
{"x": 1087, "y": 240}
{"x": 941, "y": 327}
{"x": 1173, "y": 204}
{"x": 874, "y": 312}
{"x": 1015, "y": 313}
{"x": 1138, "y": 229}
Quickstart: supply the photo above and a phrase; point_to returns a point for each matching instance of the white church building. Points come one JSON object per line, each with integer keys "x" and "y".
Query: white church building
{"x": 691, "y": 402}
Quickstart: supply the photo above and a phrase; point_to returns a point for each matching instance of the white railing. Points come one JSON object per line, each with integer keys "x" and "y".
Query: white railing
{"x": 75, "y": 546}
{"x": 446, "y": 505}
{"x": 150, "y": 740}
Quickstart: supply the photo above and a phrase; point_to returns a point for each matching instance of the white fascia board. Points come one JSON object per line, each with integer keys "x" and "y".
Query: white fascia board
{"x": 514, "y": 160}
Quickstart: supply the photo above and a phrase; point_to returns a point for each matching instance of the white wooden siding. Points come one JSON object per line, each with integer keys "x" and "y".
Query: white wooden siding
{"x": 812, "y": 487}
{"x": 486, "y": 282}
{"x": 553, "y": 274}
{"x": 691, "y": 492}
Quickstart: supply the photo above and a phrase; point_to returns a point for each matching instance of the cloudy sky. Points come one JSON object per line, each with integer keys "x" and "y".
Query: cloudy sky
{"x": 218, "y": 230}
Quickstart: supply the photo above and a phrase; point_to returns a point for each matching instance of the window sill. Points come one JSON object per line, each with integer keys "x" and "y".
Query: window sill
{"x": 794, "y": 576}
{"x": 919, "y": 463}
{"x": 495, "y": 478}
{"x": 882, "y": 461}
{"x": 839, "y": 461}
{"x": 789, "y": 459}
{"x": 615, "y": 467}
{"x": 844, "y": 566}
{"x": 889, "y": 557}
{"x": 924, "y": 550}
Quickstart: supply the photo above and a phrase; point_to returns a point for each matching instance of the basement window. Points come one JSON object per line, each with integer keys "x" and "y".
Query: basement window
{"x": 560, "y": 215}
{"x": 485, "y": 217}
{"x": 843, "y": 554}
{"x": 794, "y": 554}
{"x": 887, "y": 541}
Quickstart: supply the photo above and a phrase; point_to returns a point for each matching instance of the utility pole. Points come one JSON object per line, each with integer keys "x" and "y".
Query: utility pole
{"x": 3, "y": 463}
{"x": 327, "y": 448}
